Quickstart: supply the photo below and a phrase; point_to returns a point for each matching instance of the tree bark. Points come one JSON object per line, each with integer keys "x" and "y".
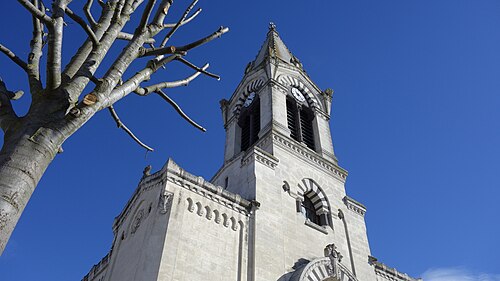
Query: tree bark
{"x": 24, "y": 157}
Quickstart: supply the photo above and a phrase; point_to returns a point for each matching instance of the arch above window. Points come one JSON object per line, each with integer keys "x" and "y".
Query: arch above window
{"x": 297, "y": 83}
{"x": 314, "y": 204}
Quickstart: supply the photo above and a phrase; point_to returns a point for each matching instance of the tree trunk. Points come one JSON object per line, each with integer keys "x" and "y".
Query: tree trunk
{"x": 25, "y": 155}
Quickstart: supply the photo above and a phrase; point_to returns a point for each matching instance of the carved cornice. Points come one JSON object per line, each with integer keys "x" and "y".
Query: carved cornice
{"x": 206, "y": 189}
{"x": 222, "y": 218}
{"x": 309, "y": 155}
{"x": 260, "y": 156}
{"x": 389, "y": 273}
{"x": 97, "y": 268}
{"x": 354, "y": 206}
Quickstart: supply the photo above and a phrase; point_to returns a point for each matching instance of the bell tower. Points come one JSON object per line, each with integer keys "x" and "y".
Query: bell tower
{"x": 279, "y": 153}
{"x": 276, "y": 94}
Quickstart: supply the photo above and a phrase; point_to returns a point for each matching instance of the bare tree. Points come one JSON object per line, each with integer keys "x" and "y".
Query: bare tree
{"x": 59, "y": 105}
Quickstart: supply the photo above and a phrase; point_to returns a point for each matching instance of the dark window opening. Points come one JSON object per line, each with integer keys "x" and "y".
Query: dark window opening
{"x": 250, "y": 124}
{"x": 300, "y": 122}
{"x": 306, "y": 125}
{"x": 309, "y": 211}
{"x": 291, "y": 114}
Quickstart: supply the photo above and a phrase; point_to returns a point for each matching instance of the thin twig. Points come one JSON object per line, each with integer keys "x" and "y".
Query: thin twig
{"x": 194, "y": 15}
{"x": 174, "y": 29}
{"x": 14, "y": 57}
{"x": 186, "y": 62}
{"x": 88, "y": 13}
{"x": 120, "y": 124}
{"x": 83, "y": 24}
{"x": 179, "y": 110}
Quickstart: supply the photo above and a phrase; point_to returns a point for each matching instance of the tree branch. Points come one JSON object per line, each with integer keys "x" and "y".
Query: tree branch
{"x": 205, "y": 40}
{"x": 54, "y": 52}
{"x": 145, "y": 16}
{"x": 145, "y": 52}
{"x": 179, "y": 110}
{"x": 171, "y": 49}
{"x": 120, "y": 124}
{"x": 174, "y": 29}
{"x": 7, "y": 114}
{"x": 83, "y": 24}
{"x": 134, "y": 82}
{"x": 184, "y": 61}
{"x": 184, "y": 82}
{"x": 14, "y": 57}
{"x": 162, "y": 11}
{"x": 129, "y": 37}
{"x": 83, "y": 52}
{"x": 35, "y": 11}
{"x": 36, "y": 45}
{"x": 171, "y": 25}
{"x": 88, "y": 13}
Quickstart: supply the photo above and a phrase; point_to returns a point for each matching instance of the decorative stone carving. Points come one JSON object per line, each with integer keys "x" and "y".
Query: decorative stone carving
{"x": 322, "y": 269}
{"x": 3, "y": 219}
{"x": 136, "y": 222}
{"x": 260, "y": 156}
{"x": 147, "y": 171}
{"x": 165, "y": 202}
{"x": 12, "y": 198}
{"x": 354, "y": 206}
{"x": 219, "y": 217}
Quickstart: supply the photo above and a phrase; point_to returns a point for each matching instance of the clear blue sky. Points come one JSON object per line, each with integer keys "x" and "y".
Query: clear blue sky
{"x": 415, "y": 121}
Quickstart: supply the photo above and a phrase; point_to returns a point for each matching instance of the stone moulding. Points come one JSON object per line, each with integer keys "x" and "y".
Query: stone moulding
{"x": 206, "y": 189}
{"x": 260, "y": 156}
{"x": 219, "y": 217}
{"x": 323, "y": 269}
{"x": 354, "y": 206}
{"x": 97, "y": 268}
{"x": 389, "y": 273}
{"x": 309, "y": 156}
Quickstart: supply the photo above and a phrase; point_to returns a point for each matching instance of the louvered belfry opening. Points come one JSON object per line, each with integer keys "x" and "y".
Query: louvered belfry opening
{"x": 300, "y": 122}
{"x": 249, "y": 123}
{"x": 306, "y": 125}
{"x": 291, "y": 114}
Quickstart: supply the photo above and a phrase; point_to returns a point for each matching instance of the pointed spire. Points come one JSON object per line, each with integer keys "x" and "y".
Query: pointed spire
{"x": 274, "y": 47}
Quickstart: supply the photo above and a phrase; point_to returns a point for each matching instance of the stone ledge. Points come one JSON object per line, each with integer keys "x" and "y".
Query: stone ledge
{"x": 389, "y": 273}
{"x": 354, "y": 205}
{"x": 308, "y": 155}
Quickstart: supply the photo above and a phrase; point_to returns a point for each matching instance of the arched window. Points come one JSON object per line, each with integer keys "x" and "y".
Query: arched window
{"x": 314, "y": 204}
{"x": 249, "y": 121}
{"x": 300, "y": 121}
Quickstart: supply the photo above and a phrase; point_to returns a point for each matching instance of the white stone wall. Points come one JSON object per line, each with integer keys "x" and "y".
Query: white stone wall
{"x": 139, "y": 234}
{"x": 206, "y": 240}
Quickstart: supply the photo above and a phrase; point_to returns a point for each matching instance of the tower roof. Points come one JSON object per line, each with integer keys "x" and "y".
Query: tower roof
{"x": 274, "y": 47}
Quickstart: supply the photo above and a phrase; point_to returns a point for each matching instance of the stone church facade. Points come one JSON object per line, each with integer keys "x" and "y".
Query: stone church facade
{"x": 276, "y": 210}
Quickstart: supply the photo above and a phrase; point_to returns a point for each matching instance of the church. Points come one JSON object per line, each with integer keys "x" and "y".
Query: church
{"x": 276, "y": 210}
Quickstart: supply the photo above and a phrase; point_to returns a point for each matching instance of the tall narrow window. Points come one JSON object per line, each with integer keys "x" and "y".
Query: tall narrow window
{"x": 249, "y": 121}
{"x": 291, "y": 114}
{"x": 306, "y": 126}
{"x": 300, "y": 119}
